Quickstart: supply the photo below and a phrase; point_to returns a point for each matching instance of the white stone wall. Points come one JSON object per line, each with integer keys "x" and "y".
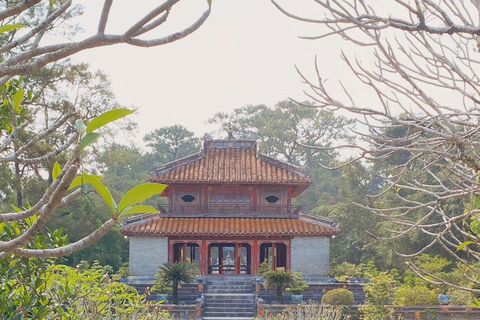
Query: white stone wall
{"x": 310, "y": 256}
{"x": 147, "y": 254}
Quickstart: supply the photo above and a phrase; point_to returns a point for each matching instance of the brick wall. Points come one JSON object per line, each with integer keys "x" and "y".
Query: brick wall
{"x": 147, "y": 254}
{"x": 311, "y": 256}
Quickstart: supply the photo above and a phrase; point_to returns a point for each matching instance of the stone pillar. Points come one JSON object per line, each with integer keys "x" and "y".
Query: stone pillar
{"x": 310, "y": 256}
{"x": 147, "y": 254}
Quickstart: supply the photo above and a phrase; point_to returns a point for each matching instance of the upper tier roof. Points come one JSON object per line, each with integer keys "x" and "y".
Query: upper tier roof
{"x": 232, "y": 161}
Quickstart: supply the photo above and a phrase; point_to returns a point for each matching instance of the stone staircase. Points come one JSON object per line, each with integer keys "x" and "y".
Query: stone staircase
{"x": 229, "y": 297}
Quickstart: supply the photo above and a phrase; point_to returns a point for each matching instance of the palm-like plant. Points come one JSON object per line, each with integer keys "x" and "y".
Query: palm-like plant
{"x": 279, "y": 280}
{"x": 174, "y": 273}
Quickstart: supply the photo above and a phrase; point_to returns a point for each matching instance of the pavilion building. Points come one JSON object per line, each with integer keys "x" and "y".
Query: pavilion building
{"x": 230, "y": 209}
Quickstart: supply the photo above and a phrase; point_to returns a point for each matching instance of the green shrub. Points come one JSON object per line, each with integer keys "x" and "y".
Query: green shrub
{"x": 346, "y": 270}
{"x": 338, "y": 297}
{"x": 417, "y": 295}
{"x": 460, "y": 297}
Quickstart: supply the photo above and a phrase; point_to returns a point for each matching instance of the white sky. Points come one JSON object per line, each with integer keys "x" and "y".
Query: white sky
{"x": 244, "y": 54}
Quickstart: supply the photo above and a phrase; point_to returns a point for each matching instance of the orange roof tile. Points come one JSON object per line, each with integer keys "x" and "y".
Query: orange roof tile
{"x": 225, "y": 161}
{"x": 155, "y": 225}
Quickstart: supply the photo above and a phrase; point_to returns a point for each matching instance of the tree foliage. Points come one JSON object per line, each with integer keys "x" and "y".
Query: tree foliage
{"x": 171, "y": 143}
{"x": 175, "y": 273}
{"x": 279, "y": 280}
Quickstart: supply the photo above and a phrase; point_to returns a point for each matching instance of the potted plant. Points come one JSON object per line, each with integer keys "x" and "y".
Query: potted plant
{"x": 279, "y": 280}
{"x": 297, "y": 290}
{"x": 172, "y": 274}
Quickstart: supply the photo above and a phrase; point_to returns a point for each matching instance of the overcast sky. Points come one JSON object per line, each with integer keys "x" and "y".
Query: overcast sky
{"x": 245, "y": 53}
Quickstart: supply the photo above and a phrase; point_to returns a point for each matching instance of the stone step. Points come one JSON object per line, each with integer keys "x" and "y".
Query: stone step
{"x": 229, "y": 283}
{"x": 230, "y": 301}
{"x": 237, "y": 308}
{"x": 225, "y": 285}
{"x": 229, "y": 291}
{"x": 223, "y": 315}
{"x": 228, "y": 297}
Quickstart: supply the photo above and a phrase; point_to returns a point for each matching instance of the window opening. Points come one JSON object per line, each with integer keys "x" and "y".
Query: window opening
{"x": 188, "y": 198}
{"x": 272, "y": 199}
{"x": 186, "y": 252}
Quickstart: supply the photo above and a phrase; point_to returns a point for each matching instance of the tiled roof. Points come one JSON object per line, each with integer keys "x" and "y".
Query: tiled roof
{"x": 155, "y": 225}
{"x": 231, "y": 162}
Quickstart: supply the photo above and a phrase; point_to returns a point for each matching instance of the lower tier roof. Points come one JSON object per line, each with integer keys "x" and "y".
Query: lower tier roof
{"x": 156, "y": 225}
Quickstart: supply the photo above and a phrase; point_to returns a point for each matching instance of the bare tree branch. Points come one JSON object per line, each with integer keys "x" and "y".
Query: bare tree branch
{"x": 420, "y": 124}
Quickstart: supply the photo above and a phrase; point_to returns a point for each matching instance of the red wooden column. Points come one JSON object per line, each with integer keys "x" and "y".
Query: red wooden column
{"x": 274, "y": 256}
{"x": 255, "y": 257}
{"x": 204, "y": 257}
{"x": 170, "y": 251}
{"x": 254, "y": 198}
{"x": 170, "y": 198}
{"x": 289, "y": 254}
{"x": 238, "y": 254}
{"x": 289, "y": 199}
{"x": 204, "y": 208}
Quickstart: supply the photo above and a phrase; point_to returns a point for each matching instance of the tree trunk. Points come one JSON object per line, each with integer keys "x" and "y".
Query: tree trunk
{"x": 175, "y": 293}
{"x": 279, "y": 295}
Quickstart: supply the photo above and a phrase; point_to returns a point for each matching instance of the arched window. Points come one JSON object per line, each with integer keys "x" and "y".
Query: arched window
{"x": 188, "y": 198}
{"x": 272, "y": 199}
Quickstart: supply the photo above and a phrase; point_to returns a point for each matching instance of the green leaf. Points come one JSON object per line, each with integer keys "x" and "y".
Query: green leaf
{"x": 463, "y": 244}
{"x": 141, "y": 208}
{"x": 81, "y": 127}
{"x": 56, "y": 170}
{"x": 38, "y": 282}
{"x": 107, "y": 117}
{"x": 102, "y": 191}
{"x": 475, "y": 303}
{"x": 17, "y": 100}
{"x": 89, "y": 138}
{"x": 475, "y": 225}
{"x": 17, "y": 209}
{"x": 79, "y": 180}
{"x": 9, "y": 27}
{"x": 140, "y": 193}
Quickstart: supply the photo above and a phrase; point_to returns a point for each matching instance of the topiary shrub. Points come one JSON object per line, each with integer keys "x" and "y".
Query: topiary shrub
{"x": 338, "y": 297}
{"x": 417, "y": 295}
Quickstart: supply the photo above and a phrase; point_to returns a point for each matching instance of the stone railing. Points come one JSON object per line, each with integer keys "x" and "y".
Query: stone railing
{"x": 315, "y": 292}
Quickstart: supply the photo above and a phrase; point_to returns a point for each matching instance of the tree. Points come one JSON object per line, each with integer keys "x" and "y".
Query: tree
{"x": 283, "y": 127}
{"x": 424, "y": 83}
{"x": 280, "y": 280}
{"x": 171, "y": 143}
{"x": 26, "y": 46}
{"x": 173, "y": 274}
